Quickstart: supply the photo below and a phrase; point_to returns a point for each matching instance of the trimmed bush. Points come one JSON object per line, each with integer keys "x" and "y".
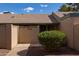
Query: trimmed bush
{"x": 51, "y": 39}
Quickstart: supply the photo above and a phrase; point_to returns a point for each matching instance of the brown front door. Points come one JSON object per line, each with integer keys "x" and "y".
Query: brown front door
{"x": 28, "y": 34}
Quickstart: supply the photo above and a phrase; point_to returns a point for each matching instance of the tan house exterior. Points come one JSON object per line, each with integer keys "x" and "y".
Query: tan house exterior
{"x": 70, "y": 25}
{"x": 21, "y": 29}
{"x": 24, "y": 28}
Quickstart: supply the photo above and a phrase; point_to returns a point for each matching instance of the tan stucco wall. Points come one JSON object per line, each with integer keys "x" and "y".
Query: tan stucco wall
{"x": 28, "y": 34}
{"x": 71, "y": 28}
{"x": 76, "y": 32}
{"x": 8, "y": 36}
{"x": 76, "y": 37}
{"x": 14, "y": 35}
{"x": 67, "y": 27}
{"x": 3, "y": 36}
{"x": 75, "y": 20}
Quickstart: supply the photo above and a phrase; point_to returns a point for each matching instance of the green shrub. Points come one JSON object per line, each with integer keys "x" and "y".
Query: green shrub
{"x": 51, "y": 39}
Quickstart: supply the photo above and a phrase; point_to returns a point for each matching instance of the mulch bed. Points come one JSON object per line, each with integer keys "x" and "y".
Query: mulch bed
{"x": 39, "y": 51}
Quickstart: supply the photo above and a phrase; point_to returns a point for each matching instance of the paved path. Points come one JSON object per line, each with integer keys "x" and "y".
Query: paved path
{"x": 37, "y": 50}
{"x": 21, "y": 49}
{"x": 3, "y": 52}
{"x": 17, "y": 49}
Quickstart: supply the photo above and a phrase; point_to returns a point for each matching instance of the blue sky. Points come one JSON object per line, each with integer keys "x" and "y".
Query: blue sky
{"x": 30, "y": 8}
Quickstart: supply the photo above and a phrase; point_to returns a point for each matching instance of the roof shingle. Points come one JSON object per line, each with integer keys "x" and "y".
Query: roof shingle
{"x": 25, "y": 18}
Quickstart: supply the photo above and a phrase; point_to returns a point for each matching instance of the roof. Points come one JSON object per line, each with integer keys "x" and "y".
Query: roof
{"x": 62, "y": 14}
{"x": 25, "y": 18}
{"x": 59, "y": 14}
{"x": 74, "y": 14}
{"x": 70, "y": 14}
{"x": 54, "y": 18}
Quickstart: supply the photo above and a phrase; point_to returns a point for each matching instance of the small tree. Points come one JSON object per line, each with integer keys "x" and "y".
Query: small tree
{"x": 64, "y": 8}
{"x": 69, "y": 7}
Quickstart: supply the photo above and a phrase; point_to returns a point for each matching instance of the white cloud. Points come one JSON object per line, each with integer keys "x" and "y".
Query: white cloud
{"x": 43, "y": 5}
{"x": 1, "y": 12}
{"x": 28, "y": 9}
{"x": 12, "y": 13}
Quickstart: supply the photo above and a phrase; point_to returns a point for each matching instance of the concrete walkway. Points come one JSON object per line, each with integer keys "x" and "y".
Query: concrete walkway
{"x": 3, "y": 52}
{"x": 37, "y": 50}
{"x": 17, "y": 49}
{"x": 21, "y": 49}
